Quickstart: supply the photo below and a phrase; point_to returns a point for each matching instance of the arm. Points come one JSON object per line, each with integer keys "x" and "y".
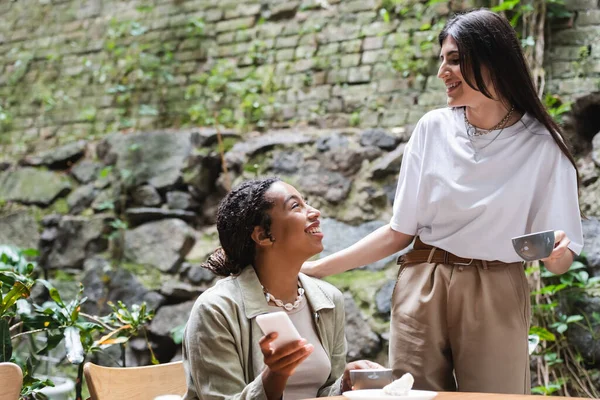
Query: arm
{"x": 337, "y": 352}
{"x": 211, "y": 357}
{"x": 377, "y": 245}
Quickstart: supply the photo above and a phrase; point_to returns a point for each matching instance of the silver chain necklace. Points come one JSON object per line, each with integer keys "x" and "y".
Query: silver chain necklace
{"x": 473, "y": 132}
{"x": 288, "y": 306}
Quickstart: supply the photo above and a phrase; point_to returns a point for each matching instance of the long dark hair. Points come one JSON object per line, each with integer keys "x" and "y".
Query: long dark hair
{"x": 487, "y": 39}
{"x": 239, "y": 212}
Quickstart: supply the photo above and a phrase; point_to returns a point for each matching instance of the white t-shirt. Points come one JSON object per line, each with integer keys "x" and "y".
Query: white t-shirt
{"x": 519, "y": 183}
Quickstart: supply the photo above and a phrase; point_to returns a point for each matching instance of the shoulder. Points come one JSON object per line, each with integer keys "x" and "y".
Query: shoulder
{"x": 439, "y": 116}
{"x": 224, "y": 296}
{"x": 434, "y": 121}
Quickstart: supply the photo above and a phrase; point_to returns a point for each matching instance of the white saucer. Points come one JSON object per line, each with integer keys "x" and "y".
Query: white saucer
{"x": 378, "y": 394}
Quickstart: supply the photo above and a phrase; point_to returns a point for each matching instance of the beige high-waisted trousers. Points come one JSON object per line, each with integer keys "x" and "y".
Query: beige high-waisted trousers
{"x": 465, "y": 328}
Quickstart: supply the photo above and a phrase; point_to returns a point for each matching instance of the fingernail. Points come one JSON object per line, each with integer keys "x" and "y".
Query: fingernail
{"x": 303, "y": 342}
{"x": 309, "y": 347}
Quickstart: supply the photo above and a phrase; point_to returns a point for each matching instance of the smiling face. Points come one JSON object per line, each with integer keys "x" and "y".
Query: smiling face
{"x": 295, "y": 225}
{"x": 459, "y": 93}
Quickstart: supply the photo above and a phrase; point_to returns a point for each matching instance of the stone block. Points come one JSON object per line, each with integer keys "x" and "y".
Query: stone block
{"x": 291, "y": 28}
{"x": 353, "y": 6}
{"x": 373, "y": 43}
{"x": 564, "y": 53}
{"x": 225, "y": 38}
{"x": 304, "y": 65}
{"x": 286, "y": 42}
{"x": 305, "y": 51}
{"x": 235, "y": 24}
{"x": 213, "y": 15}
{"x": 588, "y": 17}
{"x": 392, "y": 85}
{"x": 338, "y": 33}
{"x": 580, "y": 36}
{"x": 242, "y": 10}
{"x": 395, "y": 117}
{"x": 310, "y": 39}
{"x": 562, "y": 69}
{"x": 375, "y": 56}
{"x": 384, "y": 71}
{"x": 575, "y": 5}
{"x": 350, "y": 60}
{"x": 315, "y": 93}
{"x": 432, "y": 99}
{"x": 351, "y": 46}
{"x": 337, "y": 76}
{"x": 284, "y": 55}
{"x": 379, "y": 28}
{"x": 359, "y": 75}
{"x": 269, "y": 30}
{"x": 328, "y": 49}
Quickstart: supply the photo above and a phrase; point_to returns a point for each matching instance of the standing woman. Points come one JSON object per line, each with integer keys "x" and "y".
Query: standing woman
{"x": 267, "y": 232}
{"x": 491, "y": 166}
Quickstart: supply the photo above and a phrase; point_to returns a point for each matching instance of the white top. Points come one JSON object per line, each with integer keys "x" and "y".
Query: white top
{"x": 471, "y": 203}
{"x": 313, "y": 372}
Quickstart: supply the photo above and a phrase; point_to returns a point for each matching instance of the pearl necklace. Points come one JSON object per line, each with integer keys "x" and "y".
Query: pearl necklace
{"x": 288, "y": 306}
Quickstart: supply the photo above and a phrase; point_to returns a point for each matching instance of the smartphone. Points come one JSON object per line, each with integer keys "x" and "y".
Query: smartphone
{"x": 281, "y": 323}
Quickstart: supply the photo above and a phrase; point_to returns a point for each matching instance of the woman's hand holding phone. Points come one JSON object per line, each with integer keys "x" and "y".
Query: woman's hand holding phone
{"x": 285, "y": 359}
{"x": 281, "y": 363}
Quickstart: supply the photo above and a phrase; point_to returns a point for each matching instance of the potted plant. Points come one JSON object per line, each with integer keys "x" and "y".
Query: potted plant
{"x": 62, "y": 323}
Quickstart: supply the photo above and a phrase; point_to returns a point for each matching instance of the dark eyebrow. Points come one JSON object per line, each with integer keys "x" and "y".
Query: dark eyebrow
{"x": 290, "y": 197}
{"x": 449, "y": 53}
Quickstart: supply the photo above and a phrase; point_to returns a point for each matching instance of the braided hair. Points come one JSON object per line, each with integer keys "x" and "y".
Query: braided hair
{"x": 242, "y": 209}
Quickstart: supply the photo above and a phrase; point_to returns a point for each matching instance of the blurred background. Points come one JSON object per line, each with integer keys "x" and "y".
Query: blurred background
{"x": 123, "y": 123}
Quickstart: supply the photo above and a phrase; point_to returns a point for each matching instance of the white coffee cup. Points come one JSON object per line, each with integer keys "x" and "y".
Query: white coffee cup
{"x": 168, "y": 397}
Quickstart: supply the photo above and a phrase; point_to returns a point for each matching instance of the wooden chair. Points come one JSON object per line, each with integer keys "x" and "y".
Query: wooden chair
{"x": 11, "y": 380}
{"x": 135, "y": 383}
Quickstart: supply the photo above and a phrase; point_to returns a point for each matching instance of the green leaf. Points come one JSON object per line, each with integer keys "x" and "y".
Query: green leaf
{"x": 30, "y": 252}
{"x": 5, "y": 343}
{"x": 507, "y": 5}
{"x": 17, "y": 292}
{"x": 574, "y": 318}
{"x": 54, "y": 295}
{"x": 577, "y": 265}
{"x": 543, "y": 333}
{"x": 177, "y": 334}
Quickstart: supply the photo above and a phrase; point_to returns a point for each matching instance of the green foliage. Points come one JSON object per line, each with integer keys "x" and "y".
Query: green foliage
{"x": 517, "y": 10}
{"x": 222, "y": 98}
{"x": 412, "y": 56}
{"x": 355, "y": 119}
{"x": 556, "y": 107}
{"x": 554, "y": 313}
{"x": 5, "y": 119}
{"x": 62, "y": 321}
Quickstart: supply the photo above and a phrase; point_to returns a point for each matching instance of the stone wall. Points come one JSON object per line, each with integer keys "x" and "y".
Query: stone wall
{"x": 573, "y": 55}
{"x": 72, "y": 69}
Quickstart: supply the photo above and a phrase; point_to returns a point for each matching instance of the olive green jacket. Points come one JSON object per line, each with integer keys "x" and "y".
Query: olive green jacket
{"x": 221, "y": 354}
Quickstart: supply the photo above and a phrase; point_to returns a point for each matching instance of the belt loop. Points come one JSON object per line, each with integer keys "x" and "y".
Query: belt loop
{"x": 485, "y": 264}
{"x": 433, "y": 249}
{"x": 446, "y": 258}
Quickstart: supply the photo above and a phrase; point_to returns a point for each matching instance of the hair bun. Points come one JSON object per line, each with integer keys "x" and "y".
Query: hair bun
{"x": 219, "y": 264}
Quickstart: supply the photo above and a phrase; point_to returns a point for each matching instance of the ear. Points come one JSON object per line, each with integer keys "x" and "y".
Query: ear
{"x": 260, "y": 237}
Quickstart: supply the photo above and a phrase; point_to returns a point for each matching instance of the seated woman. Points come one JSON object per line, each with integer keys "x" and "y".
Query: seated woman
{"x": 267, "y": 231}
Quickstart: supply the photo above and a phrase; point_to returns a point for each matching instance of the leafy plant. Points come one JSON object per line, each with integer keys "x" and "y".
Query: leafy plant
{"x": 61, "y": 321}
{"x": 560, "y": 369}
